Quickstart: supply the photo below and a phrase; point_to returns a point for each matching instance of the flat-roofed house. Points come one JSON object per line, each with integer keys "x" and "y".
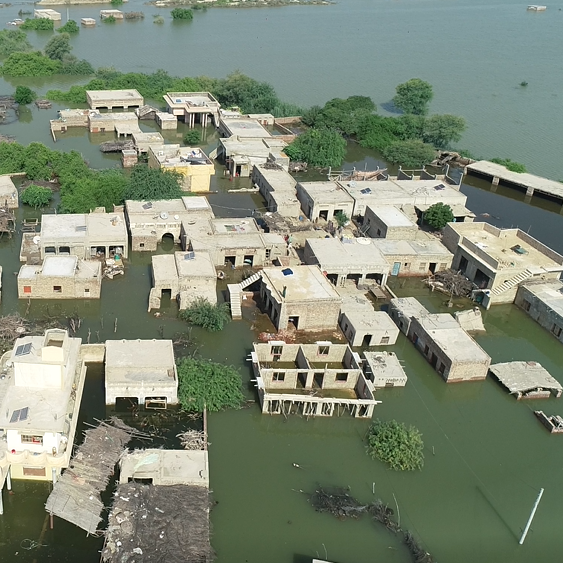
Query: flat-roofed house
{"x": 141, "y": 370}
{"x": 48, "y": 15}
{"x": 61, "y": 277}
{"x": 300, "y": 295}
{"x": 365, "y": 327}
{"x": 277, "y": 186}
{"x": 193, "y": 107}
{"x": 324, "y": 200}
{"x": 384, "y": 369}
{"x": 110, "y": 99}
{"x": 388, "y": 222}
{"x": 499, "y": 260}
{"x": 8, "y": 193}
{"x": 191, "y": 163}
{"x": 241, "y": 153}
{"x": 40, "y": 394}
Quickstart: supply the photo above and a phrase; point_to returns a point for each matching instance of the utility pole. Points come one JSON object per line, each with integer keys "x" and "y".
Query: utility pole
{"x": 529, "y": 523}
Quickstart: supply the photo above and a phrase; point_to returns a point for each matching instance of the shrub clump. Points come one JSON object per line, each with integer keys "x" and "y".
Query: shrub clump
{"x": 192, "y": 137}
{"x": 510, "y": 165}
{"x": 182, "y": 14}
{"x": 210, "y": 317}
{"x": 36, "y": 196}
{"x": 439, "y": 215}
{"x": 24, "y": 95}
{"x": 38, "y": 24}
{"x": 395, "y": 444}
{"x": 69, "y": 27}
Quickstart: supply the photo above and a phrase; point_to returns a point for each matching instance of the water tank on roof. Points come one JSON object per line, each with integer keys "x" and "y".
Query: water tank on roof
{"x": 164, "y": 215}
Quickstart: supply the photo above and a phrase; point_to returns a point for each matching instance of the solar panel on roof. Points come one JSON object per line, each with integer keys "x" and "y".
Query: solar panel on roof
{"x": 15, "y": 416}
{"x": 189, "y": 256}
{"x": 365, "y": 191}
{"x": 147, "y": 205}
{"x": 26, "y": 348}
{"x": 440, "y": 187}
{"x": 80, "y": 228}
{"x": 19, "y": 350}
{"x": 24, "y": 413}
{"x": 287, "y": 272}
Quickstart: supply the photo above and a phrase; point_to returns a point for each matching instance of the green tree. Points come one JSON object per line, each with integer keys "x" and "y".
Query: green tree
{"x": 441, "y": 130}
{"x": 318, "y": 147}
{"x": 71, "y": 65}
{"x": 510, "y": 165}
{"x": 393, "y": 443}
{"x": 205, "y": 384}
{"x": 38, "y": 24}
{"x": 182, "y": 14}
{"x": 411, "y": 154}
{"x": 36, "y": 196}
{"x": 413, "y": 96}
{"x": 30, "y": 64}
{"x": 202, "y": 313}
{"x": 438, "y": 216}
{"x": 58, "y": 47}
{"x": 13, "y": 41}
{"x": 341, "y": 218}
{"x": 109, "y": 19}
{"x": 192, "y": 137}
{"x": 24, "y": 95}
{"x": 69, "y": 27}
{"x": 151, "y": 184}
{"x": 245, "y": 92}
{"x": 345, "y": 116}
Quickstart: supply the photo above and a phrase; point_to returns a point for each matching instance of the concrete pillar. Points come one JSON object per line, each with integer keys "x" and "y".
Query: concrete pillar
{"x": 54, "y": 475}
{"x": 309, "y": 380}
{"x": 384, "y": 280}
{"x": 341, "y": 280}
{"x": 8, "y": 480}
{"x": 495, "y": 181}
{"x": 529, "y": 191}
{"x": 494, "y": 187}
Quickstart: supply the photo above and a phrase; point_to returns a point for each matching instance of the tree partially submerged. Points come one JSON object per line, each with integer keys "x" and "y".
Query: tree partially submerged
{"x": 36, "y": 196}
{"x": 411, "y": 154}
{"x": 318, "y": 147}
{"x": 441, "y": 130}
{"x": 24, "y": 95}
{"x": 210, "y": 317}
{"x": 438, "y": 215}
{"x": 13, "y": 41}
{"x": 413, "y": 96}
{"x": 205, "y": 384}
{"x": 399, "y": 446}
{"x": 150, "y": 184}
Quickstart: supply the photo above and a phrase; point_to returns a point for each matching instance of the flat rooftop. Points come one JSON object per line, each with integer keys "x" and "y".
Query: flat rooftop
{"x": 139, "y": 361}
{"x": 278, "y": 179}
{"x": 234, "y": 226}
{"x": 244, "y": 127}
{"x": 63, "y": 228}
{"x": 169, "y": 206}
{"x": 191, "y": 99}
{"x": 63, "y": 266}
{"x": 152, "y": 137}
{"x": 521, "y": 377}
{"x": 196, "y": 264}
{"x": 391, "y": 216}
{"x": 538, "y": 183}
{"x": 370, "y": 319}
{"x": 325, "y": 192}
{"x": 452, "y": 339}
{"x": 384, "y": 364}
{"x": 166, "y": 467}
{"x": 550, "y": 293}
{"x": 253, "y": 147}
{"x": 409, "y": 306}
{"x": 164, "y": 268}
{"x": 301, "y": 283}
{"x": 430, "y": 247}
{"x": 114, "y": 117}
{"x": 111, "y": 95}
{"x": 332, "y": 254}
{"x": 177, "y": 156}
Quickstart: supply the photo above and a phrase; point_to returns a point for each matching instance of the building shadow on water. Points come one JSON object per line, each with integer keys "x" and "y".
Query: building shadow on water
{"x": 490, "y": 503}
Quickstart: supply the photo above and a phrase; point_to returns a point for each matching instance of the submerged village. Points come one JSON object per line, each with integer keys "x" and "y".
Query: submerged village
{"x": 318, "y": 262}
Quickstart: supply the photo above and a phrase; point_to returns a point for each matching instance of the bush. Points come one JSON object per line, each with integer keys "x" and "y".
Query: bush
{"x": 182, "y": 14}
{"x": 30, "y": 64}
{"x": 210, "y": 317}
{"x": 441, "y": 130}
{"x": 413, "y": 96}
{"x": 36, "y": 196}
{"x": 13, "y": 41}
{"x": 438, "y": 216}
{"x": 341, "y": 218}
{"x": 393, "y": 443}
{"x": 38, "y": 24}
{"x": 153, "y": 184}
{"x": 69, "y": 27}
{"x": 116, "y": 2}
{"x": 24, "y": 95}
{"x": 412, "y": 154}
{"x": 158, "y": 19}
{"x": 192, "y": 137}
{"x": 109, "y": 19}
{"x": 318, "y": 147}
{"x": 204, "y": 384}
{"x": 510, "y": 165}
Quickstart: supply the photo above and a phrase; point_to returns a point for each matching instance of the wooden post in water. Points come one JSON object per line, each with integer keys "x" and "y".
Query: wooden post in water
{"x": 529, "y": 523}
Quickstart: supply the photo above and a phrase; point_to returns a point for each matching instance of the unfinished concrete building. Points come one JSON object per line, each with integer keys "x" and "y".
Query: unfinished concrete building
{"x": 448, "y": 348}
{"x": 109, "y": 99}
{"x": 300, "y": 296}
{"x": 240, "y": 154}
{"x": 166, "y": 121}
{"x": 499, "y": 260}
{"x": 186, "y": 276}
{"x": 193, "y": 107}
{"x": 526, "y": 380}
{"x": 192, "y": 164}
{"x": 324, "y": 200}
{"x": 41, "y": 390}
{"x": 142, "y": 372}
{"x": 543, "y": 301}
{"x": 384, "y": 369}
{"x": 61, "y": 277}
{"x": 277, "y": 187}
{"x": 320, "y": 379}
{"x": 421, "y": 257}
{"x": 143, "y": 141}
{"x": 388, "y": 222}
{"x": 350, "y": 259}
{"x": 368, "y": 328}
{"x": 9, "y": 198}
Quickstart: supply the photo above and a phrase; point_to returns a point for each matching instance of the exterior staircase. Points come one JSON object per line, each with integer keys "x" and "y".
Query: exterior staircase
{"x": 235, "y": 294}
{"x": 512, "y": 282}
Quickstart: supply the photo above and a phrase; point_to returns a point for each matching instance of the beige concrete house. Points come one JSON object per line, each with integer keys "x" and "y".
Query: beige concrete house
{"x": 242, "y": 127}
{"x": 318, "y": 379}
{"x": 186, "y": 276}
{"x": 323, "y": 200}
{"x": 144, "y": 140}
{"x": 193, "y": 107}
{"x": 109, "y": 99}
{"x": 403, "y": 309}
{"x": 388, "y": 222}
{"x": 166, "y": 121}
{"x": 9, "y": 198}
{"x": 365, "y": 327}
{"x": 240, "y": 153}
{"x": 40, "y": 394}
{"x": 347, "y": 259}
{"x": 123, "y": 123}
{"x": 384, "y": 369}
{"x": 191, "y": 163}
{"x": 300, "y": 296}
{"x": 61, "y": 277}
{"x": 499, "y": 260}
{"x": 543, "y": 301}
{"x": 277, "y": 187}
{"x": 143, "y": 371}
{"x": 48, "y": 15}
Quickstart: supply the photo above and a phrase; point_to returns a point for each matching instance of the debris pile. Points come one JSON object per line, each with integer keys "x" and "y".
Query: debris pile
{"x": 451, "y": 282}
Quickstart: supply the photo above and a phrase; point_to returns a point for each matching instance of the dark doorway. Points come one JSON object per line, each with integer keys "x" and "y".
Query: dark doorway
{"x": 249, "y": 260}
{"x": 301, "y": 380}
{"x": 230, "y": 261}
{"x": 481, "y": 279}
{"x": 167, "y": 242}
{"x": 323, "y": 215}
{"x": 138, "y": 480}
{"x": 294, "y": 321}
{"x": 433, "y": 360}
{"x": 318, "y": 380}
{"x": 463, "y": 263}
{"x": 127, "y": 404}
{"x": 432, "y": 267}
{"x": 367, "y": 340}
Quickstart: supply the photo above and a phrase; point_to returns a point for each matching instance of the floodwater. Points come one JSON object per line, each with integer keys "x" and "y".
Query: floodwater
{"x": 486, "y": 455}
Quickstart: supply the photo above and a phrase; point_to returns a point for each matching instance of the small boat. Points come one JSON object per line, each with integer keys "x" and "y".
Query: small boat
{"x": 536, "y": 8}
